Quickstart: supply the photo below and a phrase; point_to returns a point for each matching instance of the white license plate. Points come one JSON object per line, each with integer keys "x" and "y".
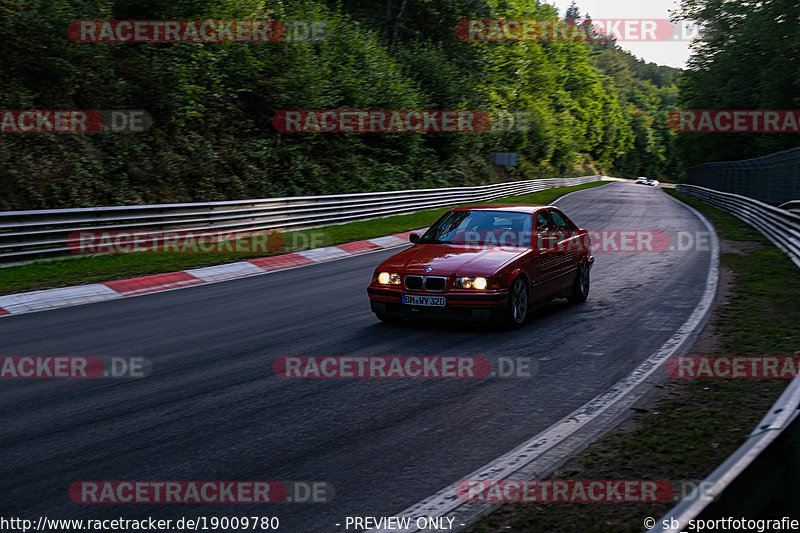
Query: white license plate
{"x": 427, "y": 301}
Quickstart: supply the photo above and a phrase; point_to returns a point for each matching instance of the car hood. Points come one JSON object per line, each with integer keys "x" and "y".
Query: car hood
{"x": 449, "y": 259}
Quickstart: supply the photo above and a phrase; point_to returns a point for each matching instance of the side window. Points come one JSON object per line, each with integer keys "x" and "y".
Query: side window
{"x": 560, "y": 222}
{"x": 543, "y": 221}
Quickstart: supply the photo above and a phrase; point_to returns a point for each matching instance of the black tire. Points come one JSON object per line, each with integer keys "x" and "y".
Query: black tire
{"x": 518, "y": 302}
{"x": 580, "y": 287}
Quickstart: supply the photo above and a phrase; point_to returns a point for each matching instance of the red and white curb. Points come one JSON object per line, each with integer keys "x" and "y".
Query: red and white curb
{"x": 28, "y": 302}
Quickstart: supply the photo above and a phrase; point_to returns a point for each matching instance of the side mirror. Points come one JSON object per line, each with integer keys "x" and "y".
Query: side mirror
{"x": 414, "y": 237}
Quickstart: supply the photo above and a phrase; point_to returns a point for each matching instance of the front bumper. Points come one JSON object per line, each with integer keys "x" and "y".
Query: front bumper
{"x": 461, "y": 305}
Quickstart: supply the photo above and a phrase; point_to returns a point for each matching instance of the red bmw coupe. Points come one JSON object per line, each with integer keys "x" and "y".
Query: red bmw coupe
{"x": 485, "y": 262}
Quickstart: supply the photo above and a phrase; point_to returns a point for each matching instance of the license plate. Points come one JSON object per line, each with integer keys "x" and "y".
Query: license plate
{"x": 427, "y": 301}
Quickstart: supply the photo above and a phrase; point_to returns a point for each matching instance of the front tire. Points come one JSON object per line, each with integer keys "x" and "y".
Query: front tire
{"x": 517, "y": 307}
{"x": 580, "y": 287}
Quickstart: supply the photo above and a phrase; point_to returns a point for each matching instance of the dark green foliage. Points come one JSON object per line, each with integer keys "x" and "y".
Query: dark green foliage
{"x": 212, "y": 104}
{"x": 748, "y": 58}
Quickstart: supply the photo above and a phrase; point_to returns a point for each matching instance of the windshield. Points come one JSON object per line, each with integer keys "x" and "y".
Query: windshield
{"x": 482, "y": 228}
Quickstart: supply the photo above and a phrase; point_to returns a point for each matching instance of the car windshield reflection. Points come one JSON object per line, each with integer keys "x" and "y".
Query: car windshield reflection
{"x": 481, "y": 228}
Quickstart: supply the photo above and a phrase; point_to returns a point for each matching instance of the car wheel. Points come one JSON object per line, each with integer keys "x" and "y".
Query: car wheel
{"x": 580, "y": 287}
{"x": 517, "y": 307}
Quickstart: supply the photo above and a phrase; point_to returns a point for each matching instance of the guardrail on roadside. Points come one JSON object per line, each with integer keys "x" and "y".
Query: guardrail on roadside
{"x": 41, "y": 233}
{"x": 793, "y": 206}
{"x": 761, "y": 479}
{"x": 780, "y": 226}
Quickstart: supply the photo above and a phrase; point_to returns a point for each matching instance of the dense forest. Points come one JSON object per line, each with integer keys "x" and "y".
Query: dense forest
{"x": 749, "y": 58}
{"x": 590, "y": 107}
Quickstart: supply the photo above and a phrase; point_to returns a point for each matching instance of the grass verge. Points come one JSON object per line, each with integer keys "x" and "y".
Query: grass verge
{"x": 79, "y": 270}
{"x": 692, "y": 426}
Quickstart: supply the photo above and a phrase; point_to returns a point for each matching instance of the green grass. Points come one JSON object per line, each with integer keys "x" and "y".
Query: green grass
{"x": 79, "y": 270}
{"x": 695, "y": 424}
{"x": 765, "y": 317}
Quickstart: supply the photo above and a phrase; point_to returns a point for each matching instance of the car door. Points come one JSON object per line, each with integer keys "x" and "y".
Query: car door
{"x": 568, "y": 247}
{"x": 546, "y": 254}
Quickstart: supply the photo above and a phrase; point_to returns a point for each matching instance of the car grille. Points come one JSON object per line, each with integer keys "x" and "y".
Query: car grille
{"x": 429, "y": 283}
{"x": 414, "y": 283}
{"x": 435, "y": 283}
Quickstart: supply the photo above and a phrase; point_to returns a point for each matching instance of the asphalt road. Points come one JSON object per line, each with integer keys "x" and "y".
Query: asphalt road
{"x": 212, "y": 409}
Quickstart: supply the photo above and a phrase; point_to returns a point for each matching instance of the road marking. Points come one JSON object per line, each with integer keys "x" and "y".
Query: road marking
{"x": 224, "y": 272}
{"x": 27, "y": 302}
{"x": 324, "y": 254}
{"x": 154, "y": 283}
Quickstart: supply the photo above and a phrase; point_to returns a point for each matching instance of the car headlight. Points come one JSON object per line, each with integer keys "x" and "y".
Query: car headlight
{"x": 479, "y": 283}
{"x": 389, "y": 278}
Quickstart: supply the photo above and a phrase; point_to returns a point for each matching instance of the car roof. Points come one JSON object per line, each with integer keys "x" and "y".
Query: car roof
{"x": 516, "y": 208}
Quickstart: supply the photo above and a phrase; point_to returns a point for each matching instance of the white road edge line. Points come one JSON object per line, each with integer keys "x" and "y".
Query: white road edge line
{"x": 445, "y": 502}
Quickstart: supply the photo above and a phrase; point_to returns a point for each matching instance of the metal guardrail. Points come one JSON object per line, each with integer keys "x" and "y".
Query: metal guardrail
{"x": 774, "y": 178}
{"x": 42, "y": 233}
{"x": 793, "y": 206}
{"x": 780, "y": 226}
{"x": 761, "y": 479}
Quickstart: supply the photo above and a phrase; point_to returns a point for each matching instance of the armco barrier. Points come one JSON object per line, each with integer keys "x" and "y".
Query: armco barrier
{"x": 780, "y": 226}
{"x": 760, "y": 480}
{"x": 38, "y": 233}
{"x": 793, "y": 206}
